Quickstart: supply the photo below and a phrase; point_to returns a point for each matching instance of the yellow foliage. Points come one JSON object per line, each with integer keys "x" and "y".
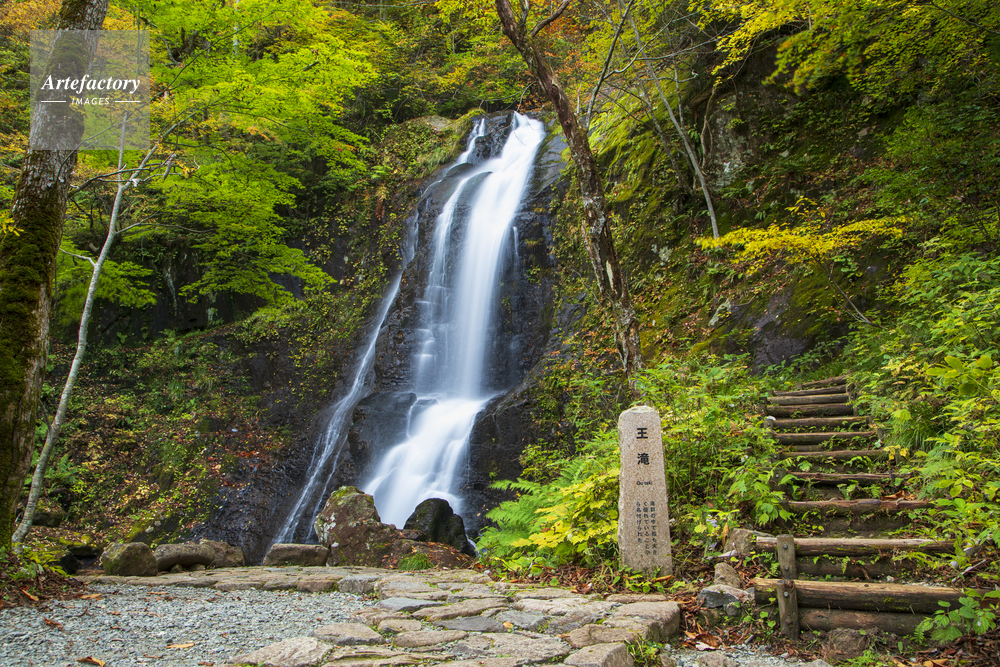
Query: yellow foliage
{"x": 806, "y": 242}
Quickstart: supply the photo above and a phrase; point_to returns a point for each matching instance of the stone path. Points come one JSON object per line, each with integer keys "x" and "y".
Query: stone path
{"x": 459, "y": 617}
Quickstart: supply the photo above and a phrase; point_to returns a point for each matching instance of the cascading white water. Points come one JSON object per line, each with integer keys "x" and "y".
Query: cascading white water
{"x": 298, "y": 521}
{"x": 457, "y": 311}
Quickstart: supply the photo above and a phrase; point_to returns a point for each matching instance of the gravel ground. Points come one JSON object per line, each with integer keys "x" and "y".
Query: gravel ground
{"x": 136, "y": 625}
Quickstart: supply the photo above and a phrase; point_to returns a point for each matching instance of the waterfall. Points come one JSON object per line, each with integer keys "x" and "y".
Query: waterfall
{"x": 457, "y": 311}
{"x": 298, "y": 521}
{"x": 471, "y": 241}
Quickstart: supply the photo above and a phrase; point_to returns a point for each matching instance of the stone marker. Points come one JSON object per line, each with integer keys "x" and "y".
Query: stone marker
{"x": 643, "y": 519}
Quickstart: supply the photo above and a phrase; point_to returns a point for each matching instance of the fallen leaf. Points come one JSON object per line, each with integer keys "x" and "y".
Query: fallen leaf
{"x": 92, "y": 661}
{"x": 188, "y": 645}
{"x": 158, "y": 593}
{"x": 206, "y": 664}
{"x": 92, "y": 596}
{"x": 51, "y": 623}
{"x": 29, "y": 595}
{"x": 508, "y": 625}
{"x": 706, "y": 638}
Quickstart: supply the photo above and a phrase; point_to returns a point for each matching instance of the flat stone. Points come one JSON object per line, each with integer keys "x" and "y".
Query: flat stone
{"x": 464, "y": 608}
{"x": 560, "y": 625}
{"x": 427, "y": 638}
{"x": 406, "y": 604}
{"x": 406, "y": 589}
{"x": 524, "y": 620}
{"x": 358, "y": 584}
{"x": 230, "y": 586}
{"x": 602, "y": 655}
{"x": 545, "y": 594}
{"x": 316, "y": 585}
{"x": 589, "y": 635}
{"x": 281, "y": 584}
{"x": 369, "y": 656}
{"x": 562, "y": 606}
{"x": 399, "y": 625}
{"x": 713, "y": 597}
{"x": 347, "y": 634}
{"x": 525, "y": 648}
{"x": 486, "y": 662}
{"x": 726, "y": 575}
{"x": 292, "y": 652}
{"x": 666, "y": 617}
{"x": 472, "y": 624}
{"x": 472, "y": 591}
{"x": 372, "y": 616}
{"x": 643, "y": 518}
{"x": 644, "y": 628}
{"x": 629, "y": 598}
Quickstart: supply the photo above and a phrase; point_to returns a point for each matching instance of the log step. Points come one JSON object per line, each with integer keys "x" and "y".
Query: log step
{"x": 826, "y": 382}
{"x": 853, "y": 546}
{"x": 838, "y": 455}
{"x": 823, "y": 399}
{"x": 868, "y": 568}
{"x": 817, "y": 422}
{"x": 825, "y": 620}
{"x": 855, "y": 507}
{"x": 810, "y": 410}
{"x": 822, "y": 436}
{"x": 865, "y": 596}
{"x": 835, "y": 478}
{"x": 839, "y": 389}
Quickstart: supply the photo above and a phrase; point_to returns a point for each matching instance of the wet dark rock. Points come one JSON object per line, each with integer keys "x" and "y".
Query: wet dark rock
{"x": 48, "y": 514}
{"x": 349, "y": 525}
{"x": 226, "y": 555}
{"x": 378, "y": 419}
{"x": 133, "y": 559}
{"x": 437, "y": 522}
{"x": 69, "y": 563}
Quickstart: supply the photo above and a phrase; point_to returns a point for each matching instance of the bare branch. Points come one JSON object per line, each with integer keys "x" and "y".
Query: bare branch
{"x": 552, "y": 17}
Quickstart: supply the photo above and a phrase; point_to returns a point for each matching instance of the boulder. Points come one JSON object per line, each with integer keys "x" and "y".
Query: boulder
{"x": 437, "y": 522}
{"x": 726, "y": 575}
{"x": 185, "y": 555}
{"x": 296, "y": 554}
{"x": 226, "y": 555}
{"x": 712, "y": 597}
{"x": 132, "y": 559}
{"x": 349, "y": 525}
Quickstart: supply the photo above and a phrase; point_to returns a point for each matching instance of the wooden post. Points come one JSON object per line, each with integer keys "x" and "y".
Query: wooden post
{"x": 785, "y": 548}
{"x": 788, "y": 609}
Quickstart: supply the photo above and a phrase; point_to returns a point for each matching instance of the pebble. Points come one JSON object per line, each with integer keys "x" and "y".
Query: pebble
{"x": 181, "y": 621}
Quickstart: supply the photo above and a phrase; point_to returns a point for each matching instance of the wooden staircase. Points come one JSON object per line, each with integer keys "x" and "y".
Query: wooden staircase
{"x": 820, "y": 429}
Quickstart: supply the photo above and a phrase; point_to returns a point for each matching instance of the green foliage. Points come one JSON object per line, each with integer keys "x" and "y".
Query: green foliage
{"x": 417, "y": 561}
{"x": 974, "y": 616}
{"x": 123, "y": 283}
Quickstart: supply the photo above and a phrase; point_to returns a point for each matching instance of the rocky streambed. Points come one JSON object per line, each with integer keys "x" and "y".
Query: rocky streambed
{"x": 344, "y": 617}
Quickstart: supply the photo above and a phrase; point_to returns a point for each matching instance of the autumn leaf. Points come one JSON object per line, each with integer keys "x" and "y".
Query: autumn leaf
{"x": 91, "y": 596}
{"x": 92, "y": 661}
{"x": 29, "y": 595}
{"x": 51, "y": 623}
{"x": 188, "y": 645}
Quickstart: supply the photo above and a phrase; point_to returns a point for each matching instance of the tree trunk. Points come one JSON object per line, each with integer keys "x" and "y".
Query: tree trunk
{"x": 611, "y": 283}
{"x": 27, "y": 273}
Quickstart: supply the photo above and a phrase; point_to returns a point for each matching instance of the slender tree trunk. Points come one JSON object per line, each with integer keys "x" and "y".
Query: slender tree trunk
{"x": 612, "y": 286}
{"x": 689, "y": 151}
{"x": 27, "y": 273}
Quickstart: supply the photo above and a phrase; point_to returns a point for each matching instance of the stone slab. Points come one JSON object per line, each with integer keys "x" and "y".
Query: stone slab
{"x": 292, "y": 652}
{"x": 427, "y": 638}
{"x": 406, "y": 604}
{"x": 589, "y": 635}
{"x": 602, "y": 655}
{"x": 399, "y": 625}
{"x": 643, "y": 518}
{"x": 464, "y": 608}
{"x": 665, "y": 617}
{"x": 347, "y": 634}
{"x": 358, "y": 584}
{"x": 473, "y": 624}
{"x": 524, "y": 620}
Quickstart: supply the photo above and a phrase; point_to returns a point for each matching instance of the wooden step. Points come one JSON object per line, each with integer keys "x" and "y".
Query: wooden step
{"x": 855, "y": 507}
{"x": 823, "y": 399}
{"x": 838, "y": 455}
{"x": 855, "y": 546}
{"x": 825, "y": 620}
{"x": 821, "y": 436}
{"x": 835, "y": 478}
{"x": 826, "y": 382}
{"x": 810, "y": 410}
{"x": 839, "y": 389}
{"x": 864, "y": 596}
{"x": 818, "y": 422}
